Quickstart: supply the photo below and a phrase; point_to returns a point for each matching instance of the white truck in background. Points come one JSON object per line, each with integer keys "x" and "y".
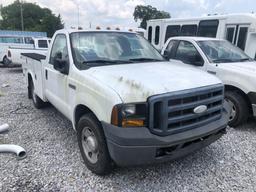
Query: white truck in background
{"x": 229, "y": 63}
{"x": 40, "y": 46}
{"x": 239, "y": 29}
{"x": 128, "y": 105}
{"x": 7, "y": 41}
{"x": 17, "y": 41}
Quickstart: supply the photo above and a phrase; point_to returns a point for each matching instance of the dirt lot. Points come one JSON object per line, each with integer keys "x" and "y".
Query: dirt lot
{"x": 54, "y": 162}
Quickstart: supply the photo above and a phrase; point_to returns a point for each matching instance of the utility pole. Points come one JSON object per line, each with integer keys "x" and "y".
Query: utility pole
{"x": 78, "y": 13}
{"x": 21, "y": 16}
{"x": 78, "y": 16}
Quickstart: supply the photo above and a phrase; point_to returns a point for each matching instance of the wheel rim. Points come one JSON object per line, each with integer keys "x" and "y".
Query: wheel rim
{"x": 5, "y": 61}
{"x": 90, "y": 145}
{"x": 233, "y": 110}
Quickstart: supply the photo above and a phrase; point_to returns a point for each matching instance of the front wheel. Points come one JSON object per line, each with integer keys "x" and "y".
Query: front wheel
{"x": 92, "y": 145}
{"x": 239, "y": 108}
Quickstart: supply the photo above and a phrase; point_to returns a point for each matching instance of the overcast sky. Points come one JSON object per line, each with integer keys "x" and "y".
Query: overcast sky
{"x": 119, "y": 12}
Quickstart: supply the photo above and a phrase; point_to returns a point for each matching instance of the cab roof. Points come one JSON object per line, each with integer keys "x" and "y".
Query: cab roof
{"x": 195, "y": 38}
{"x": 69, "y": 31}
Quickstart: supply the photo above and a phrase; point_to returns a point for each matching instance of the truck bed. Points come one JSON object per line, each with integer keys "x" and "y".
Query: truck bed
{"x": 33, "y": 64}
{"x": 35, "y": 56}
{"x": 16, "y": 54}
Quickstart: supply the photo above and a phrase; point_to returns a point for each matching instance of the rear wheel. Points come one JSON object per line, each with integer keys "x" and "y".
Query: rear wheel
{"x": 38, "y": 103}
{"x": 6, "y": 61}
{"x": 239, "y": 108}
{"x": 93, "y": 146}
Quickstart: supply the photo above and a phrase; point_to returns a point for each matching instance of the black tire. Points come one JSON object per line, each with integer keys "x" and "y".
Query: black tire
{"x": 240, "y": 106}
{"x": 6, "y": 61}
{"x": 103, "y": 164}
{"x": 38, "y": 103}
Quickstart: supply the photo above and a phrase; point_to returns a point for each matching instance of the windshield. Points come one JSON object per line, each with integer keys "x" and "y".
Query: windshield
{"x": 219, "y": 51}
{"x": 108, "y": 48}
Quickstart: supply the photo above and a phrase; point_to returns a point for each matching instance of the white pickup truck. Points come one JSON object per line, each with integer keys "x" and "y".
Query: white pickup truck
{"x": 229, "y": 63}
{"x": 40, "y": 46}
{"x": 128, "y": 105}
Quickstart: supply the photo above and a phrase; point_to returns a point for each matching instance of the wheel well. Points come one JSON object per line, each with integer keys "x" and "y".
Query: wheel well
{"x": 29, "y": 77}
{"x": 80, "y": 111}
{"x": 29, "y": 88}
{"x": 5, "y": 57}
{"x": 245, "y": 96}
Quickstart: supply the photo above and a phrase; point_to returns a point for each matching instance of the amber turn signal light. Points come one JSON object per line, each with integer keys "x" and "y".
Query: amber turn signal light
{"x": 133, "y": 123}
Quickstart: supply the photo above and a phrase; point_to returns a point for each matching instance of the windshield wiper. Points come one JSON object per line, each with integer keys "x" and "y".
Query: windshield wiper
{"x": 105, "y": 61}
{"x": 145, "y": 59}
{"x": 222, "y": 60}
{"x": 245, "y": 59}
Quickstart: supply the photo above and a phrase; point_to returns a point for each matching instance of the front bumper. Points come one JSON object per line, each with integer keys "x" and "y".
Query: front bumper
{"x": 137, "y": 146}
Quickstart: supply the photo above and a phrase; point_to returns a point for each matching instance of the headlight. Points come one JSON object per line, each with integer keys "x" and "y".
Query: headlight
{"x": 129, "y": 115}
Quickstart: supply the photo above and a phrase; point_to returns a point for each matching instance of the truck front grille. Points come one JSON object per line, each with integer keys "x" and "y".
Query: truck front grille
{"x": 174, "y": 112}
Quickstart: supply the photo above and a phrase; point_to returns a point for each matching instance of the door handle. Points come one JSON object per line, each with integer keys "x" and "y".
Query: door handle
{"x": 72, "y": 86}
{"x": 212, "y": 72}
{"x": 46, "y": 74}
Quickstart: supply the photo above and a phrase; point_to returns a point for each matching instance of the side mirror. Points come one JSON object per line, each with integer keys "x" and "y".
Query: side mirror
{"x": 198, "y": 61}
{"x": 60, "y": 65}
{"x": 166, "y": 55}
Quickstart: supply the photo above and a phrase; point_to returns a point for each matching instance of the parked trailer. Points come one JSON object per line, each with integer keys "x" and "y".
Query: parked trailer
{"x": 239, "y": 29}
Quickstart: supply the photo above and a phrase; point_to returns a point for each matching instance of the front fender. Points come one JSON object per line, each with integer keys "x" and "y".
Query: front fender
{"x": 100, "y": 106}
{"x": 242, "y": 85}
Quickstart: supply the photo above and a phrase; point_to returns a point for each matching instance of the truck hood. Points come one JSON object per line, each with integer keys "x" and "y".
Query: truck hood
{"x": 239, "y": 67}
{"x": 136, "y": 82}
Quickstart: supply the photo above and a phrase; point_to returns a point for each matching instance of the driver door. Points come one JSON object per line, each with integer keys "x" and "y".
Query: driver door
{"x": 55, "y": 81}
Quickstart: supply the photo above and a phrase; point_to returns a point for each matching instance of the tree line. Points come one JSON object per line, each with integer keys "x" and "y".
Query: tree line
{"x": 35, "y": 18}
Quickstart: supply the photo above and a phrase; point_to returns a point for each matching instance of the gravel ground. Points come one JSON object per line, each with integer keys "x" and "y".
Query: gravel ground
{"x": 54, "y": 162}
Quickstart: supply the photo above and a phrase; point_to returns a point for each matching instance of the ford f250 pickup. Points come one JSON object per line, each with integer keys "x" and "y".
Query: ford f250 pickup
{"x": 226, "y": 61}
{"x": 128, "y": 105}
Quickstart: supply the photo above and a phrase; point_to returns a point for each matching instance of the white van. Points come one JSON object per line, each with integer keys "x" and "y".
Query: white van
{"x": 239, "y": 29}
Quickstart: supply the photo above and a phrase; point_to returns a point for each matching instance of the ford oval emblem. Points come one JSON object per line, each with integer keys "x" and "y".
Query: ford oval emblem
{"x": 200, "y": 109}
